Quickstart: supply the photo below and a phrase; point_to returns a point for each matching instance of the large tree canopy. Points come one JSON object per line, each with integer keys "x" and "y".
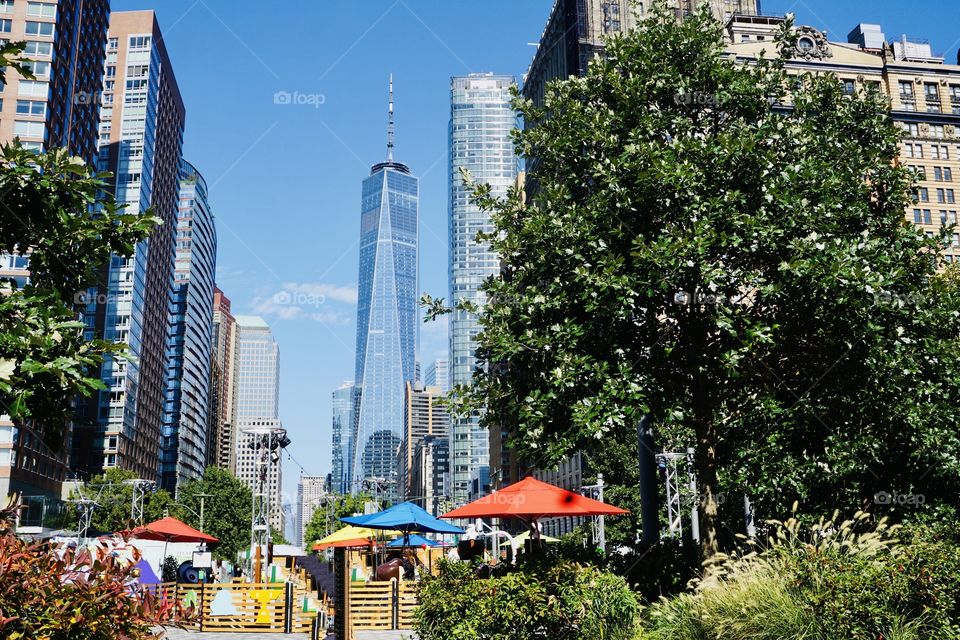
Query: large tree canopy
{"x": 722, "y": 247}
{"x": 227, "y": 509}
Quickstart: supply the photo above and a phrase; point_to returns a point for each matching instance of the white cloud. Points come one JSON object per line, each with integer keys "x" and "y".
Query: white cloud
{"x": 316, "y": 301}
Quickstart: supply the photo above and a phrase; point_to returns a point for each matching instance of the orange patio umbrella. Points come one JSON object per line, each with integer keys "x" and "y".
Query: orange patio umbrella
{"x": 529, "y": 500}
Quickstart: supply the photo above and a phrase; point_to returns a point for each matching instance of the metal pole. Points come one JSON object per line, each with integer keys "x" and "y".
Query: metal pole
{"x": 649, "y": 492}
{"x": 695, "y": 511}
{"x": 601, "y": 525}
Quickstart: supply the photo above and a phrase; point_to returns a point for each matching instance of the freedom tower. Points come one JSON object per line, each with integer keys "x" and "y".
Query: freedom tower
{"x": 387, "y": 328}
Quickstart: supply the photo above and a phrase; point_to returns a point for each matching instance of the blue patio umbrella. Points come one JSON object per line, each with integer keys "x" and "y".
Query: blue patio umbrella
{"x": 414, "y": 540}
{"x": 406, "y": 517}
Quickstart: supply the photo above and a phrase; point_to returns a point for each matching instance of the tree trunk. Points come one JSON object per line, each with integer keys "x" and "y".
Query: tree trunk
{"x": 705, "y": 463}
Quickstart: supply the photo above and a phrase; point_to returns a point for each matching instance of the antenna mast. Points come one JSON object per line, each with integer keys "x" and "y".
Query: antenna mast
{"x": 390, "y": 125}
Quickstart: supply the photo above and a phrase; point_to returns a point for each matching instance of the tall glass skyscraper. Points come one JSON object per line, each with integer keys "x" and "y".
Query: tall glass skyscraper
{"x": 141, "y": 137}
{"x": 481, "y": 120}
{"x": 387, "y": 327}
{"x": 187, "y": 404}
{"x": 342, "y": 442}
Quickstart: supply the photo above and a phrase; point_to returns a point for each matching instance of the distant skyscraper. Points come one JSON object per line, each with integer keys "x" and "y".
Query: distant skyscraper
{"x": 257, "y": 383}
{"x": 141, "y": 97}
{"x": 438, "y": 375}
{"x": 257, "y": 369}
{"x": 58, "y": 109}
{"x": 342, "y": 442}
{"x": 221, "y": 441}
{"x": 183, "y": 454}
{"x": 423, "y": 416}
{"x": 310, "y": 490}
{"x": 387, "y": 327}
{"x": 481, "y": 121}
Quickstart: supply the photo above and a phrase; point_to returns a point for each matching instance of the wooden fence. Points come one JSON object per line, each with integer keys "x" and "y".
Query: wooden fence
{"x": 382, "y": 605}
{"x": 239, "y": 607}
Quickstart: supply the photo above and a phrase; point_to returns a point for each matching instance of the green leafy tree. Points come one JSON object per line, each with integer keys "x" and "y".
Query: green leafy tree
{"x": 227, "y": 509}
{"x": 733, "y": 261}
{"x": 114, "y": 497}
{"x": 321, "y": 523}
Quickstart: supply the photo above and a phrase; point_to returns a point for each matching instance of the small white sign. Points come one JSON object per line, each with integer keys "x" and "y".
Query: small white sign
{"x": 202, "y": 560}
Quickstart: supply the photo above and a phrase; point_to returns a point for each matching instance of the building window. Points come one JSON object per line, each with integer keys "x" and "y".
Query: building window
{"x": 955, "y": 98}
{"x": 941, "y": 196}
{"x": 932, "y": 93}
{"x": 41, "y": 9}
{"x": 849, "y": 87}
{"x": 139, "y": 42}
{"x": 31, "y": 108}
{"x": 39, "y": 28}
{"x": 34, "y": 89}
{"x": 927, "y": 218}
{"x": 6, "y": 26}
{"x": 907, "y": 100}
{"x": 37, "y": 48}
{"x": 28, "y": 128}
{"x": 6, "y": 6}
{"x": 39, "y": 68}
{"x": 951, "y": 197}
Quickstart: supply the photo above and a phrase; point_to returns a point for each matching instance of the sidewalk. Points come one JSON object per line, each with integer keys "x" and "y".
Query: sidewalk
{"x": 178, "y": 634}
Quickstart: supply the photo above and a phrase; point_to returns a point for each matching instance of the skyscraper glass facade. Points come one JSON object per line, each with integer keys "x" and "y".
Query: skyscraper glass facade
{"x": 257, "y": 371}
{"x": 342, "y": 442}
{"x": 141, "y": 138}
{"x": 187, "y": 402}
{"x": 480, "y": 124}
{"x": 387, "y": 327}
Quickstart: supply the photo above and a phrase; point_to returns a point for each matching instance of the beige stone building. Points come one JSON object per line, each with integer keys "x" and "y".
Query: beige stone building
{"x": 923, "y": 89}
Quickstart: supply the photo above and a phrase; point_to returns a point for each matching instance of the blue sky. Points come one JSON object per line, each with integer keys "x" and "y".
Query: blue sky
{"x": 285, "y": 178}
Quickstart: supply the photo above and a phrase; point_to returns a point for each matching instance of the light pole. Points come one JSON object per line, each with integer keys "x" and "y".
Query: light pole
{"x": 202, "y": 496}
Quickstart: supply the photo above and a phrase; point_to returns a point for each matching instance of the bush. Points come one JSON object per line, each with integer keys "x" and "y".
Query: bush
{"x": 833, "y": 581}
{"x": 565, "y": 600}
{"x": 60, "y": 593}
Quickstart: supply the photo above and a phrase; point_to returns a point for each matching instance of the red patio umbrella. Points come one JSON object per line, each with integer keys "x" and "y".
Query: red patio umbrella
{"x": 530, "y": 500}
{"x": 171, "y": 530}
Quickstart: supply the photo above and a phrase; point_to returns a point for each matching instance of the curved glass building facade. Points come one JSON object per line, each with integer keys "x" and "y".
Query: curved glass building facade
{"x": 183, "y": 439}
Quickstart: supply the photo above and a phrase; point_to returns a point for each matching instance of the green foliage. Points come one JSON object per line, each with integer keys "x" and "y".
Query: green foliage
{"x": 228, "y": 506}
{"x": 168, "y": 570}
{"x": 562, "y": 600}
{"x": 115, "y": 499}
{"x": 55, "y": 212}
{"x": 67, "y": 594}
{"x": 321, "y": 523}
{"x": 833, "y": 581}
{"x": 664, "y": 569}
{"x": 740, "y": 271}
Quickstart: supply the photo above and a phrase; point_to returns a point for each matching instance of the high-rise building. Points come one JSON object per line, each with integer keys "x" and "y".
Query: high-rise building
{"x": 429, "y": 474}
{"x": 341, "y": 475}
{"x": 424, "y": 416}
{"x": 387, "y": 327}
{"x": 257, "y": 370}
{"x": 576, "y": 30}
{"x": 924, "y": 93}
{"x": 481, "y": 122}
{"x": 221, "y": 441}
{"x": 183, "y": 454}
{"x": 65, "y": 42}
{"x": 310, "y": 491}
{"x": 257, "y": 382}
{"x": 438, "y": 375}
{"x": 143, "y": 153}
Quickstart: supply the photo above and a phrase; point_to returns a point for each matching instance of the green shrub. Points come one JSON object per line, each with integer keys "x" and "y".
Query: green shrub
{"x": 565, "y": 600}
{"x": 833, "y": 581}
